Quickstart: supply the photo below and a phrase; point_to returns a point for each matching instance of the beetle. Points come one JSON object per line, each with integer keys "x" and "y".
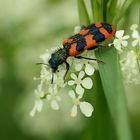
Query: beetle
{"x": 88, "y": 38}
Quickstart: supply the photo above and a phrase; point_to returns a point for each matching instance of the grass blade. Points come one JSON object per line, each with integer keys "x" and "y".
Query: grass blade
{"x": 83, "y": 14}
{"x": 114, "y": 92}
{"x": 95, "y": 10}
{"x": 102, "y": 125}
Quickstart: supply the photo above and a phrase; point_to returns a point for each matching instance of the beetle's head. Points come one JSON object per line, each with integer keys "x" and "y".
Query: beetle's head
{"x": 54, "y": 62}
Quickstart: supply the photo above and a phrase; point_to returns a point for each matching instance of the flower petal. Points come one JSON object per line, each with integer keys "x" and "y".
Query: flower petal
{"x": 135, "y": 34}
{"x": 72, "y": 94}
{"x": 54, "y": 105}
{"x": 39, "y": 105}
{"x": 118, "y": 47}
{"x": 87, "y": 83}
{"x": 71, "y": 82}
{"x": 49, "y": 97}
{"x": 119, "y": 33}
{"x": 81, "y": 74}
{"x": 33, "y": 111}
{"x": 79, "y": 90}
{"x": 89, "y": 69}
{"x": 134, "y": 43}
{"x": 73, "y": 76}
{"x": 78, "y": 66}
{"x": 74, "y": 111}
{"x": 126, "y": 37}
{"x": 124, "y": 43}
{"x": 86, "y": 108}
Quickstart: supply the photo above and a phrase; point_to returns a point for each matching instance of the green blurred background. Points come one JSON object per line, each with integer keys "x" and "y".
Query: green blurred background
{"x": 27, "y": 29}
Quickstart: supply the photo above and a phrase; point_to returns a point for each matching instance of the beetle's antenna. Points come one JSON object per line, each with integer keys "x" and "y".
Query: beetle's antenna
{"x": 42, "y": 64}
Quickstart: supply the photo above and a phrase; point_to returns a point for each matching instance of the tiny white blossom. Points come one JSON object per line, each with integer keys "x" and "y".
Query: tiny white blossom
{"x": 85, "y": 107}
{"x": 38, "y": 102}
{"x": 53, "y": 97}
{"x": 120, "y": 40}
{"x": 89, "y": 69}
{"x": 80, "y": 80}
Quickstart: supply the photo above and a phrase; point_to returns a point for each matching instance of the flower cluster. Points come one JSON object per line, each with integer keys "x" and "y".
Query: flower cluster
{"x": 130, "y": 58}
{"x": 78, "y": 82}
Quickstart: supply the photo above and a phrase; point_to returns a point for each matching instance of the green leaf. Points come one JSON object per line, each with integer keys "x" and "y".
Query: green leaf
{"x": 103, "y": 128}
{"x": 113, "y": 87}
{"x": 83, "y": 14}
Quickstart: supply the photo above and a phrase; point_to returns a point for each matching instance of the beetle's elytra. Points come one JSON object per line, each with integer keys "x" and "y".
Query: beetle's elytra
{"x": 87, "y": 39}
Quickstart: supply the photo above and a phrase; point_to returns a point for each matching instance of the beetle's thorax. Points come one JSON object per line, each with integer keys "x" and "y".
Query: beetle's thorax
{"x": 58, "y": 58}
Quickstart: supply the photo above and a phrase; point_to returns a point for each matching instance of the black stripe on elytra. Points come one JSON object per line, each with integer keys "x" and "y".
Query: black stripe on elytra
{"x": 76, "y": 37}
{"x": 107, "y": 27}
{"x": 98, "y": 36}
{"x": 81, "y": 45}
{"x": 92, "y": 27}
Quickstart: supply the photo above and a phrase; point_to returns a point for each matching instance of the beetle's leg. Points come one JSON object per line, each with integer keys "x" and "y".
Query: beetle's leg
{"x": 102, "y": 46}
{"x": 52, "y": 78}
{"x": 67, "y": 69}
{"x": 98, "y": 46}
{"x": 82, "y": 57}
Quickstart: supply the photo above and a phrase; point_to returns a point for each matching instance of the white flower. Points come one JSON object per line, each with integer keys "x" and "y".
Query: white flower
{"x": 85, "y": 107}
{"x": 80, "y": 80}
{"x": 120, "y": 40}
{"x": 38, "y": 102}
{"x": 89, "y": 69}
{"x": 53, "y": 97}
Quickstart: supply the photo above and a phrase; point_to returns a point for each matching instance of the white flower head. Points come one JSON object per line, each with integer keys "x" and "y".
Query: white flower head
{"x": 120, "y": 40}
{"x": 80, "y": 82}
{"x": 85, "y": 107}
